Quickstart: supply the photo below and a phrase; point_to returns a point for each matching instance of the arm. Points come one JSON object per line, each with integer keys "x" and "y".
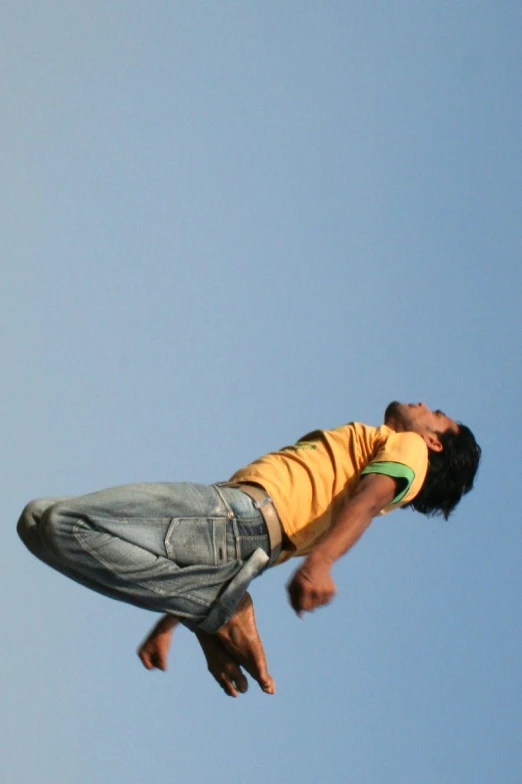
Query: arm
{"x": 312, "y": 586}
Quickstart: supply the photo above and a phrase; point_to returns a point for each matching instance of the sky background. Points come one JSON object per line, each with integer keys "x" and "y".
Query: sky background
{"x": 225, "y": 224}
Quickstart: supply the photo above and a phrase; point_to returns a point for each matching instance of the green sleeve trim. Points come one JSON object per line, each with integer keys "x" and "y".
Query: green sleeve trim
{"x": 396, "y": 471}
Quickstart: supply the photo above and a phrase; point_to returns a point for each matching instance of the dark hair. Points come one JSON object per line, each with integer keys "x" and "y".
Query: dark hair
{"x": 451, "y": 473}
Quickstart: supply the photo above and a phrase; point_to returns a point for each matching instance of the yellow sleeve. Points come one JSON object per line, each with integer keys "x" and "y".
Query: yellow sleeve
{"x": 404, "y": 456}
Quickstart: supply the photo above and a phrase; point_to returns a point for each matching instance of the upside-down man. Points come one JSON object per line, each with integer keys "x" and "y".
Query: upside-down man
{"x": 190, "y": 551}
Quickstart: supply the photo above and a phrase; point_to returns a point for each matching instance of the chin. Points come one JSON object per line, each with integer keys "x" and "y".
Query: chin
{"x": 392, "y": 410}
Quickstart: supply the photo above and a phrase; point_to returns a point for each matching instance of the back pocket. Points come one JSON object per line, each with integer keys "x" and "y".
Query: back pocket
{"x": 197, "y": 540}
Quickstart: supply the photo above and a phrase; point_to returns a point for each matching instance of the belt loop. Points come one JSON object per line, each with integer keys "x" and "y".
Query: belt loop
{"x": 265, "y": 505}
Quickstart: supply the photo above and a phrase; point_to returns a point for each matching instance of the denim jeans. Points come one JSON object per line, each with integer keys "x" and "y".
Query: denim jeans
{"x": 185, "y": 549}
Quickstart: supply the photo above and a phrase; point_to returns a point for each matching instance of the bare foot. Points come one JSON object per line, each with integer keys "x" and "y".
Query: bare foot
{"x": 154, "y": 650}
{"x": 223, "y": 668}
{"x": 241, "y": 639}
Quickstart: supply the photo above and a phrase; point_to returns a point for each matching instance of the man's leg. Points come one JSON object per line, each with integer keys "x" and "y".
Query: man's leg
{"x": 242, "y": 641}
{"x": 154, "y": 650}
{"x": 106, "y": 540}
{"x": 222, "y": 666}
{"x": 29, "y": 529}
{"x": 235, "y": 645}
{"x": 162, "y": 547}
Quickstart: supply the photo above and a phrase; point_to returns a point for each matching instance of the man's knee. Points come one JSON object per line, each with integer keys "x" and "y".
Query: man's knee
{"x": 30, "y": 525}
{"x": 29, "y": 519}
{"x": 53, "y": 528}
{"x": 38, "y": 524}
{"x": 40, "y": 518}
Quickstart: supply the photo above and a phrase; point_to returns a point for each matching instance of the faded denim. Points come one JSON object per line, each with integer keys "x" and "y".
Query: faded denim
{"x": 185, "y": 549}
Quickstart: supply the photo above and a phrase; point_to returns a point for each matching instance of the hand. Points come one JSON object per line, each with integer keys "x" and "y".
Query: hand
{"x": 311, "y": 587}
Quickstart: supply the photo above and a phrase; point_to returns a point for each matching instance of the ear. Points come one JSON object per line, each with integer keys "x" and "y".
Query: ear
{"x": 432, "y": 441}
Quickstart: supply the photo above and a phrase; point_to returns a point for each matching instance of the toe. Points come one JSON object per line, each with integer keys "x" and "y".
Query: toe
{"x": 227, "y": 685}
{"x": 241, "y": 682}
{"x": 268, "y": 685}
{"x": 144, "y": 658}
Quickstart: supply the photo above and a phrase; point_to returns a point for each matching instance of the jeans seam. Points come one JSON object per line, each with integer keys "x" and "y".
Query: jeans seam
{"x": 230, "y": 517}
{"x": 77, "y": 531}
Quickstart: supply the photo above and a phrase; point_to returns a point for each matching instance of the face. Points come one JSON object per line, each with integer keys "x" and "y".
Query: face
{"x": 418, "y": 418}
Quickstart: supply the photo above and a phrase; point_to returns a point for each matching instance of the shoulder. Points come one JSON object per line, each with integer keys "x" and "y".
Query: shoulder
{"x": 408, "y": 448}
{"x": 403, "y": 456}
{"x": 412, "y": 441}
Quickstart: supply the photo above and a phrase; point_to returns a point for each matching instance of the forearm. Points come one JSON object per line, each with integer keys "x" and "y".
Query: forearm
{"x": 344, "y": 532}
{"x": 312, "y": 586}
{"x": 374, "y": 493}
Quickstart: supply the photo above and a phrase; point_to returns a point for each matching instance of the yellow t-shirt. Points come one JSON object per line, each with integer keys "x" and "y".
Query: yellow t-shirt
{"x": 310, "y": 481}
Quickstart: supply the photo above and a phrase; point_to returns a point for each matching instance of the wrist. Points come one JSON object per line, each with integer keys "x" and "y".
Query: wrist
{"x": 318, "y": 559}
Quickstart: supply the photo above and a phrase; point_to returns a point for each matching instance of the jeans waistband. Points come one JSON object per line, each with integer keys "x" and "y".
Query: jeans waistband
{"x": 264, "y": 503}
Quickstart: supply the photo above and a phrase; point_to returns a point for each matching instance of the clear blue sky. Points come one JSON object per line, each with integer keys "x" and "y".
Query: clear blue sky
{"x": 225, "y": 224}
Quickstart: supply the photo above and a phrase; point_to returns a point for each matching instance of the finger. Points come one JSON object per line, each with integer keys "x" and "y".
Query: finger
{"x": 294, "y": 597}
{"x": 296, "y": 607}
{"x": 304, "y": 602}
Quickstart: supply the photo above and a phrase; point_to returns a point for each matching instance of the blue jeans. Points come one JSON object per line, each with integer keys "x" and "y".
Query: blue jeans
{"x": 184, "y": 549}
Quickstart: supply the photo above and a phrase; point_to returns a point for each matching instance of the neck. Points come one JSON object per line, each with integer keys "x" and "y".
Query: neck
{"x": 393, "y": 424}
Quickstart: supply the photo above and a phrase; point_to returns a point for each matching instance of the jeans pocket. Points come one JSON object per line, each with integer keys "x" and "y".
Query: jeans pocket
{"x": 197, "y": 540}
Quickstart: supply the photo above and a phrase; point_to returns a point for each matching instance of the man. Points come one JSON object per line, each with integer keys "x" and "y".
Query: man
{"x": 191, "y": 551}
